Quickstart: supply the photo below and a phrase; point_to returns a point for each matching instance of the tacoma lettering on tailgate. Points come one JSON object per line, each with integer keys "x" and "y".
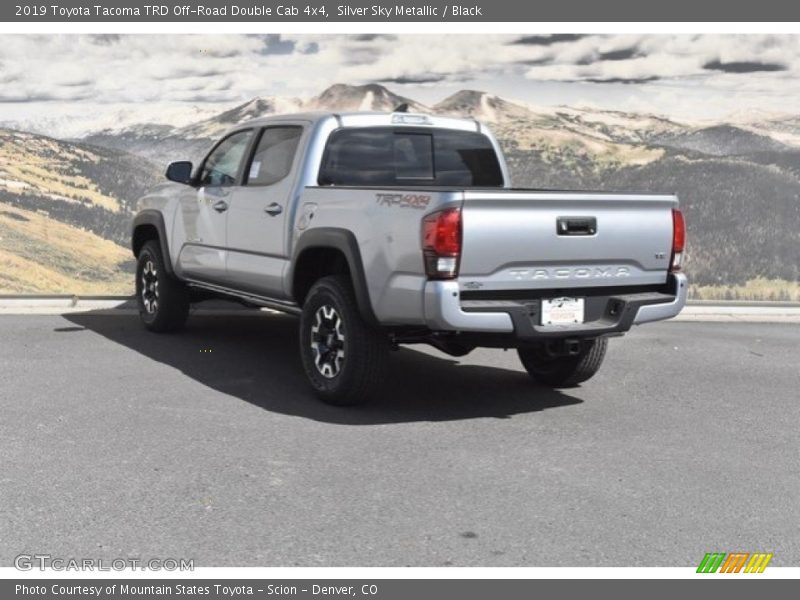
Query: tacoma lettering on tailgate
{"x": 570, "y": 273}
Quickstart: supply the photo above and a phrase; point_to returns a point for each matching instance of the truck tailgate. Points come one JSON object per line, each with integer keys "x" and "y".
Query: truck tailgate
{"x": 515, "y": 240}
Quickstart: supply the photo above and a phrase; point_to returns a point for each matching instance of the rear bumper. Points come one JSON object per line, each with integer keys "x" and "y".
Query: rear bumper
{"x": 666, "y": 310}
{"x": 606, "y": 313}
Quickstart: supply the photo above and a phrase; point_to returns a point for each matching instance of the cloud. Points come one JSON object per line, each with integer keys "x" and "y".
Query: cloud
{"x": 413, "y": 80}
{"x": 172, "y": 72}
{"x": 624, "y": 80}
{"x": 548, "y": 40}
{"x": 678, "y": 59}
{"x": 743, "y": 66}
{"x": 623, "y": 54}
{"x": 9, "y": 74}
{"x": 43, "y": 95}
{"x": 371, "y": 37}
{"x": 612, "y": 55}
{"x": 223, "y": 70}
{"x": 274, "y": 44}
{"x": 535, "y": 62}
{"x": 105, "y": 39}
{"x": 353, "y": 55}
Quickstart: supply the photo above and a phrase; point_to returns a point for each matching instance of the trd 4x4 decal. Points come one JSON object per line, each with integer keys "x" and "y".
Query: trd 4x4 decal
{"x": 419, "y": 201}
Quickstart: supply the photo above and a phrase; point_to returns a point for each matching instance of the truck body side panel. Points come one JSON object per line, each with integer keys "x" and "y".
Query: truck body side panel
{"x": 386, "y": 224}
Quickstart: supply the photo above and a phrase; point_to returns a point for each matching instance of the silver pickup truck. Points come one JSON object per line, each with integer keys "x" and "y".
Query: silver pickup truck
{"x": 385, "y": 229}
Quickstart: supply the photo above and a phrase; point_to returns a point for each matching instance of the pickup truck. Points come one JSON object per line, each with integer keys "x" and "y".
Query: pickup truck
{"x": 382, "y": 229}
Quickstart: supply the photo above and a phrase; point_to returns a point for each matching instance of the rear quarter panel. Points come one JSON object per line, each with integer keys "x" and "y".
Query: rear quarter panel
{"x": 387, "y": 226}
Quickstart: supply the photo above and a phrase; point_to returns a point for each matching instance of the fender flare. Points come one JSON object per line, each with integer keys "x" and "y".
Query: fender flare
{"x": 345, "y": 242}
{"x": 156, "y": 219}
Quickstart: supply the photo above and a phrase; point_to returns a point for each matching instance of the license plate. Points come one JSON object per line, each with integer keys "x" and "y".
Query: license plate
{"x": 562, "y": 311}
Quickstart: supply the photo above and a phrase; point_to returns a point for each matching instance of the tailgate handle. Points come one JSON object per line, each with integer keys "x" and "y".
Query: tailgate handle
{"x": 576, "y": 225}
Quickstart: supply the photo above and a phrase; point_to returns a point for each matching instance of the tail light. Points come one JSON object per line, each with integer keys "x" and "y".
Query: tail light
{"x": 441, "y": 243}
{"x": 678, "y": 240}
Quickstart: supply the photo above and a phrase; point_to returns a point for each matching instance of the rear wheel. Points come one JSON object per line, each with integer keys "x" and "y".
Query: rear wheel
{"x": 564, "y": 371}
{"x": 163, "y": 300}
{"x": 344, "y": 358}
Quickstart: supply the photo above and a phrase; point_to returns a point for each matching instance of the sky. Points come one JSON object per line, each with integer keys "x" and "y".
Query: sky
{"x": 84, "y": 81}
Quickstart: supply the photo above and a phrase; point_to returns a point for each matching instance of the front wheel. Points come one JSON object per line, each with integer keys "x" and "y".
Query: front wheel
{"x": 163, "y": 301}
{"x": 564, "y": 371}
{"x": 344, "y": 358}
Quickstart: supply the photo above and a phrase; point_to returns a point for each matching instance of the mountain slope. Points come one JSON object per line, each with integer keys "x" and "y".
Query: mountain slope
{"x": 575, "y": 153}
{"x": 65, "y": 212}
{"x": 721, "y": 140}
{"x": 76, "y": 183}
{"x": 41, "y": 165}
{"x": 257, "y": 107}
{"x": 43, "y": 256}
{"x": 481, "y": 106}
{"x": 739, "y": 181}
{"x": 741, "y": 215}
{"x": 614, "y": 126}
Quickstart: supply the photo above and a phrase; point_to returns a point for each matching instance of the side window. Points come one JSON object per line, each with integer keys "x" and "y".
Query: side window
{"x": 383, "y": 156}
{"x": 359, "y": 157}
{"x": 378, "y": 156}
{"x": 274, "y": 155}
{"x": 222, "y": 165}
{"x": 466, "y": 158}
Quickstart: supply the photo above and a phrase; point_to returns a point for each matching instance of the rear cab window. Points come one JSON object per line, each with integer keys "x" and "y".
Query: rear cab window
{"x": 404, "y": 156}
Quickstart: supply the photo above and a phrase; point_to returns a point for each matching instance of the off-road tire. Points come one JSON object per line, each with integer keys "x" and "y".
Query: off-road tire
{"x": 564, "y": 371}
{"x": 163, "y": 301}
{"x": 344, "y": 357}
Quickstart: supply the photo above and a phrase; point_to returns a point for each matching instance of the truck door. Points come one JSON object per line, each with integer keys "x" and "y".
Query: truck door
{"x": 258, "y": 214}
{"x": 205, "y": 209}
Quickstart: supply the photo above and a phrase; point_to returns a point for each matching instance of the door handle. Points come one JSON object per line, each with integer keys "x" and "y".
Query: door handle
{"x": 274, "y": 209}
{"x": 576, "y": 225}
{"x": 220, "y": 206}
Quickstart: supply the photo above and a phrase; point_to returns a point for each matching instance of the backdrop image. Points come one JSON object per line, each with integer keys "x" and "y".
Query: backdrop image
{"x": 89, "y": 122}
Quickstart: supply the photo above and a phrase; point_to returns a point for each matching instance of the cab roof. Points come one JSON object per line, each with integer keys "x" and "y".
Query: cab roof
{"x": 370, "y": 119}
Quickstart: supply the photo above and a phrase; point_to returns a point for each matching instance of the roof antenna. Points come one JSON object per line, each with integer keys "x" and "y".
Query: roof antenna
{"x": 402, "y": 108}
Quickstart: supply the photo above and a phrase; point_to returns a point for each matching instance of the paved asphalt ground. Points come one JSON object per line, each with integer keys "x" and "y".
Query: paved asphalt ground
{"x": 207, "y": 445}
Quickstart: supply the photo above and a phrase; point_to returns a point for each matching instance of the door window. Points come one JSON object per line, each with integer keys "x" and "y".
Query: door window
{"x": 274, "y": 155}
{"x": 222, "y": 165}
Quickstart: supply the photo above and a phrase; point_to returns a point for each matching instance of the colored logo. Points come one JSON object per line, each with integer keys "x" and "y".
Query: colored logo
{"x": 735, "y": 562}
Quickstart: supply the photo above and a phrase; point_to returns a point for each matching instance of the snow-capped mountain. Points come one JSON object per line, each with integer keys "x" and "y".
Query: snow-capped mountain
{"x": 784, "y": 128}
{"x": 162, "y": 143}
{"x": 602, "y": 137}
{"x": 742, "y": 170}
{"x": 257, "y": 107}
{"x": 482, "y": 106}
{"x": 95, "y": 118}
{"x": 361, "y": 97}
{"x": 140, "y": 129}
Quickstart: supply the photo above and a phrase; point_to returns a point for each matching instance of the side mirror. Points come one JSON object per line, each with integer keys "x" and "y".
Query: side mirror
{"x": 180, "y": 172}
